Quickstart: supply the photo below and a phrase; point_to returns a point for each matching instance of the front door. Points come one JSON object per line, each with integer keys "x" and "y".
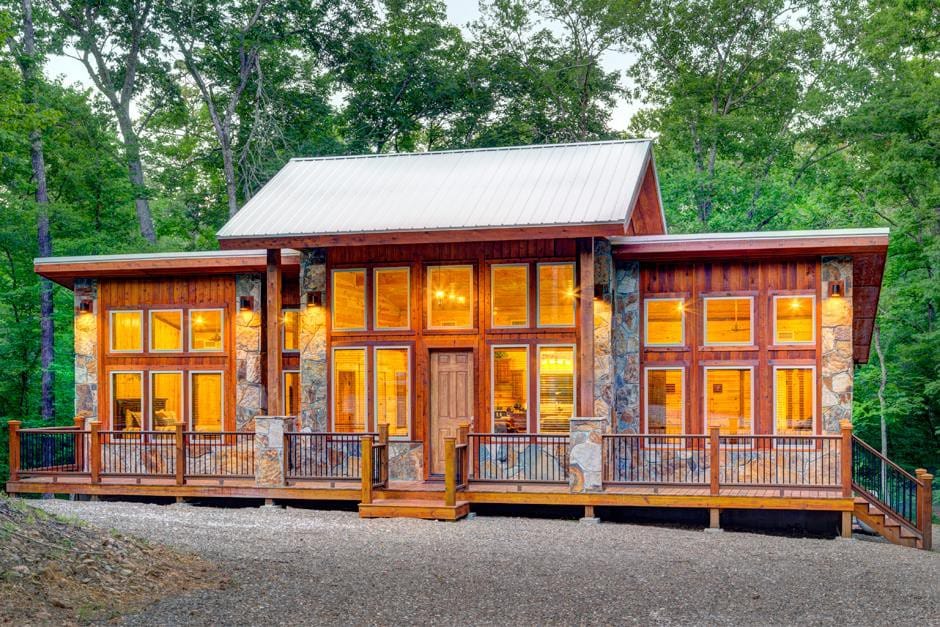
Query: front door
{"x": 451, "y": 401}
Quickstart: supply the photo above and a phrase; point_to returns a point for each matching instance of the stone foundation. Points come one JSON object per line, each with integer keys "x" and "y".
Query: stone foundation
{"x": 836, "y": 361}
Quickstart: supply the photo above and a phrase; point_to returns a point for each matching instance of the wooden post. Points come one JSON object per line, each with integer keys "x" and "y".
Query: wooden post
{"x": 272, "y": 326}
{"x": 180, "y": 455}
{"x": 450, "y": 471}
{"x": 383, "y": 433}
{"x": 714, "y": 518}
{"x": 14, "y": 426}
{"x": 365, "y": 468}
{"x": 846, "y": 531}
{"x": 714, "y": 454}
{"x": 585, "y": 327}
{"x": 79, "y": 447}
{"x": 925, "y": 507}
{"x": 79, "y": 422}
{"x": 95, "y": 454}
{"x": 845, "y": 458}
{"x": 287, "y": 456}
{"x": 463, "y": 437}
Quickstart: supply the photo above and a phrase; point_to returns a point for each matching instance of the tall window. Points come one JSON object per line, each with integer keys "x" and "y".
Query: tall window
{"x": 166, "y": 400}
{"x": 127, "y": 328}
{"x": 557, "y": 295}
{"x": 166, "y": 330}
{"x": 509, "y": 295}
{"x": 349, "y": 390}
{"x": 291, "y": 393}
{"x": 392, "y": 390}
{"x": 450, "y": 297}
{"x": 728, "y": 400}
{"x": 794, "y": 319}
{"x": 665, "y": 409}
{"x": 556, "y": 388}
{"x": 206, "y": 331}
{"x": 510, "y": 367}
{"x": 392, "y": 298}
{"x": 794, "y": 400}
{"x": 665, "y": 321}
{"x": 349, "y": 300}
{"x": 728, "y": 320}
{"x": 291, "y": 329}
{"x": 127, "y": 394}
{"x": 206, "y": 401}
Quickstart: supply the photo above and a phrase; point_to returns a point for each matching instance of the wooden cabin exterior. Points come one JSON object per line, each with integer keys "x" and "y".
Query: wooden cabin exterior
{"x": 420, "y": 333}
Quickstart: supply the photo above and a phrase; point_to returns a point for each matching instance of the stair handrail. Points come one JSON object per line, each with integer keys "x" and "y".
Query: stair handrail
{"x": 868, "y": 446}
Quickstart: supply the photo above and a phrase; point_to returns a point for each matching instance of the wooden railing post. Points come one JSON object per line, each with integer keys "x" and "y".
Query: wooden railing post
{"x": 925, "y": 507}
{"x": 450, "y": 471}
{"x": 94, "y": 458}
{"x": 180, "y": 455}
{"x": 365, "y": 468}
{"x": 287, "y": 455}
{"x": 14, "y": 426}
{"x": 383, "y": 433}
{"x": 79, "y": 446}
{"x": 463, "y": 438}
{"x": 714, "y": 454}
{"x": 845, "y": 458}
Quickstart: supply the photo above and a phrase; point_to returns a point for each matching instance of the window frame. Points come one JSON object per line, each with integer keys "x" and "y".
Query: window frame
{"x": 143, "y": 404}
{"x": 284, "y": 396}
{"x": 752, "y": 317}
{"x": 773, "y": 337}
{"x": 365, "y": 300}
{"x": 375, "y": 384}
{"x": 538, "y": 385}
{"x": 332, "y": 389}
{"x": 646, "y": 405}
{"x": 538, "y": 295}
{"x": 429, "y": 294}
{"x": 189, "y": 328}
{"x": 814, "y": 382}
{"x": 528, "y": 384}
{"x": 150, "y": 378}
{"x": 528, "y": 287}
{"x": 150, "y": 327}
{"x": 646, "y": 326}
{"x": 729, "y": 366}
{"x": 192, "y": 397}
{"x": 284, "y": 348}
{"x": 111, "y": 349}
{"x": 376, "y": 270}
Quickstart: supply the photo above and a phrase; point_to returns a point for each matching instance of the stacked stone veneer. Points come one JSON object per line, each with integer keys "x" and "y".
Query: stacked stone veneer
{"x": 249, "y": 384}
{"x": 586, "y": 445}
{"x": 522, "y": 458}
{"x": 405, "y": 461}
{"x": 603, "y": 310}
{"x": 269, "y": 450}
{"x": 86, "y": 350}
{"x": 625, "y": 347}
{"x": 837, "y": 359}
{"x": 129, "y": 457}
{"x": 313, "y": 379}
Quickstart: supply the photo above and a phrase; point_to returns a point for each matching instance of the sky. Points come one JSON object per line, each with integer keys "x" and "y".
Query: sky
{"x": 459, "y": 12}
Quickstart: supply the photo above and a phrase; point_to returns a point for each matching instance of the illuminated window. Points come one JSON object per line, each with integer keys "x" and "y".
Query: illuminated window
{"x": 665, "y": 322}
{"x": 556, "y": 388}
{"x": 127, "y": 331}
{"x": 127, "y": 401}
{"x": 665, "y": 410}
{"x": 206, "y": 401}
{"x": 392, "y": 298}
{"x": 728, "y": 404}
{"x": 349, "y": 390}
{"x": 291, "y": 393}
{"x": 510, "y": 389}
{"x": 450, "y": 297}
{"x": 166, "y": 400}
{"x": 166, "y": 330}
{"x": 556, "y": 295}
{"x": 794, "y": 319}
{"x": 392, "y": 390}
{"x": 509, "y": 293}
{"x": 795, "y": 400}
{"x": 205, "y": 332}
{"x": 349, "y": 300}
{"x": 291, "y": 330}
{"x": 728, "y": 321}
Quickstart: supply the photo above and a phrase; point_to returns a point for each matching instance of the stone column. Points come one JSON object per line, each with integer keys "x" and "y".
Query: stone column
{"x": 625, "y": 346}
{"x": 86, "y": 350}
{"x": 269, "y": 450}
{"x": 603, "y": 356}
{"x": 837, "y": 362}
{"x": 585, "y": 446}
{"x": 249, "y": 384}
{"x": 313, "y": 380}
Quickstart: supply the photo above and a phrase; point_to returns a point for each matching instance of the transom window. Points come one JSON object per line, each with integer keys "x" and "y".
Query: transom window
{"x": 349, "y": 300}
{"x": 166, "y": 330}
{"x": 794, "y": 400}
{"x": 728, "y": 399}
{"x": 510, "y": 389}
{"x": 555, "y": 388}
{"x": 794, "y": 319}
{"x": 206, "y": 330}
{"x": 665, "y": 408}
{"x": 450, "y": 297}
{"x": 392, "y": 298}
{"x": 127, "y": 331}
{"x": 556, "y": 294}
{"x": 509, "y": 295}
{"x": 729, "y": 320}
{"x": 665, "y": 322}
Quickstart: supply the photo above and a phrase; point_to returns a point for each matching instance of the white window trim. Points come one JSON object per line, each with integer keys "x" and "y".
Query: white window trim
{"x": 430, "y": 295}
{"x": 646, "y": 401}
{"x": 646, "y": 326}
{"x": 493, "y": 268}
{"x": 706, "y": 299}
{"x": 705, "y": 370}
{"x": 538, "y": 386}
{"x": 192, "y": 398}
{"x": 284, "y": 331}
{"x": 812, "y": 401}
{"x": 365, "y": 303}
{"x": 538, "y": 293}
{"x": 143, "y": 408}
{"x": 284, "y": 396}
{"x": 150, "y": 327}
{"x": 812, "y": 340}
{"x": 375, "y": 387}
{"x": 365, "y": 376}
{"x": 111, "y": 314}
{"x": 182, "y": 375}
{"x": 375, "y": 296}
{"x": 189, "y": 326}
{"x": 528, "y": 392}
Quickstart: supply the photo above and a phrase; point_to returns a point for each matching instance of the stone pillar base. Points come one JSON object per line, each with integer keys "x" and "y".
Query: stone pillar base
{"x": 269, "y": 450}
{"x": 585, "y": 454}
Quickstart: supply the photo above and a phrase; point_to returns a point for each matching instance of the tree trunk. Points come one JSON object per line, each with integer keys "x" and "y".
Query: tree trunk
{"x": 135, "y": 171}
{"x": 228, "y": 168}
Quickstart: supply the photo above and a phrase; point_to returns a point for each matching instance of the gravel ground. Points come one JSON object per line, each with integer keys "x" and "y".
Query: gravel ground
{"x": 293, "y": 566}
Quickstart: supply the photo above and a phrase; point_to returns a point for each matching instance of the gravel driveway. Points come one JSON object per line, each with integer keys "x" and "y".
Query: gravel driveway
{"x": 291, "y": 566}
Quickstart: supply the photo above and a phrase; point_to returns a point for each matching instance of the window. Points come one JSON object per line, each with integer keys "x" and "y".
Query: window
{"x": 349, "y": 300}
{"x": 392, "y": 298}
{"x": 393, "y": 390}
{"x": 166, "y": 330}
{"x": 556, "y": 388}
{"x": 127, "y": 328}
{"x": 794, "y": 319}
{"x": 349, "y": 390}
{"x": 291, "y": 393}
{"x": 450, "y": 297}
{"x": 728, "y": 320}
{"x": 205, "y": 329}
{"x": 556, "y": 294}
{"x": 510, "y": 385}
{"x": 509, "y": 295}
{"x": 728, "y": 393}
{"x": 127, "y": 400}
{"x": 206, "y": 401}
{"x": 665, "y": 322}
{"x": 794, "y": 400}
{"x": 291, "y": 329}
{"x": 665, "y": 409}
{"x": 166, "y": 400}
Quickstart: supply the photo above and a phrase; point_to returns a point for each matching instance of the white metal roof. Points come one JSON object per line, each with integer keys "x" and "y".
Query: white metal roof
{"x": 552, "y": 185}
{"x": 159, "y": 256}
{"x": 750, "y": 235}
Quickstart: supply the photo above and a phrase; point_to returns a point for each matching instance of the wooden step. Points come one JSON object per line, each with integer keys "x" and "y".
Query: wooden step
{"x": 413, "y": 508}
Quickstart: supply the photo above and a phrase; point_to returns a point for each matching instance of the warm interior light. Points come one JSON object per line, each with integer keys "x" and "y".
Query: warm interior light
{"x": 680, "y": 306}
{"x": 198, "y": 320}
{"x": 794, "y": 304}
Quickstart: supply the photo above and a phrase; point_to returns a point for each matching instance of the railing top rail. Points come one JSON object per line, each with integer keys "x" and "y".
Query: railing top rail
{"x": 51, "y": 430}
{"x": 340, "y": 433}
{"x": 655, "y": 435}
{"x": 519, "y": 435}
{"x": 890, "y": 463}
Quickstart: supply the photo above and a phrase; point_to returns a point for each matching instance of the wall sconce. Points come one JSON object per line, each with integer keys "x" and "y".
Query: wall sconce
{"x": 246, "y": 303}
{"x": 837, "y": 289}
{"x": 85, "y": 305}
{"x": 601, "y": 291}
{"x": 314, "y": 299}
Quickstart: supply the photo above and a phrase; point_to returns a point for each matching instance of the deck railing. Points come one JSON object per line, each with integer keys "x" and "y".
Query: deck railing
{"x": 809, "y": 462}
{"x": 631, "y": 459}
{"x": 52, "y": 451}
{"x": 124, "y": 453}
{"x": 225, "y": 454}
{"x": 521, "y": 458}
{"x": 884, "y": 481}
{"x": 324, "y": 456}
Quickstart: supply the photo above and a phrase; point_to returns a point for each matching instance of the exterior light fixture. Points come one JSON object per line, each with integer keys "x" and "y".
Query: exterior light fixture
{"x": 85, "y": 306}
{"x": 314, "y": 299}
{"x": 601, "y": 291}
{"x": 837, "y": 289}
{"x": 246, "y": 303}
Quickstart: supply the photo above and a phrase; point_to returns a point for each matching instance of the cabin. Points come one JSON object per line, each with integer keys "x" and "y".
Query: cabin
{"x": 420, "y": 333}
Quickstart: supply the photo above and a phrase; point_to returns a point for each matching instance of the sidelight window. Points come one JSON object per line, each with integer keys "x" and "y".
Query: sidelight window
{"x": 290, "y": 341}
{"x": 510, "y": 374}
{"x": 393, "y": 390}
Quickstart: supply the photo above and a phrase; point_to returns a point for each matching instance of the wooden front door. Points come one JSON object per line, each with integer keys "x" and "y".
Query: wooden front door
{"x": 451, "y": 401}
